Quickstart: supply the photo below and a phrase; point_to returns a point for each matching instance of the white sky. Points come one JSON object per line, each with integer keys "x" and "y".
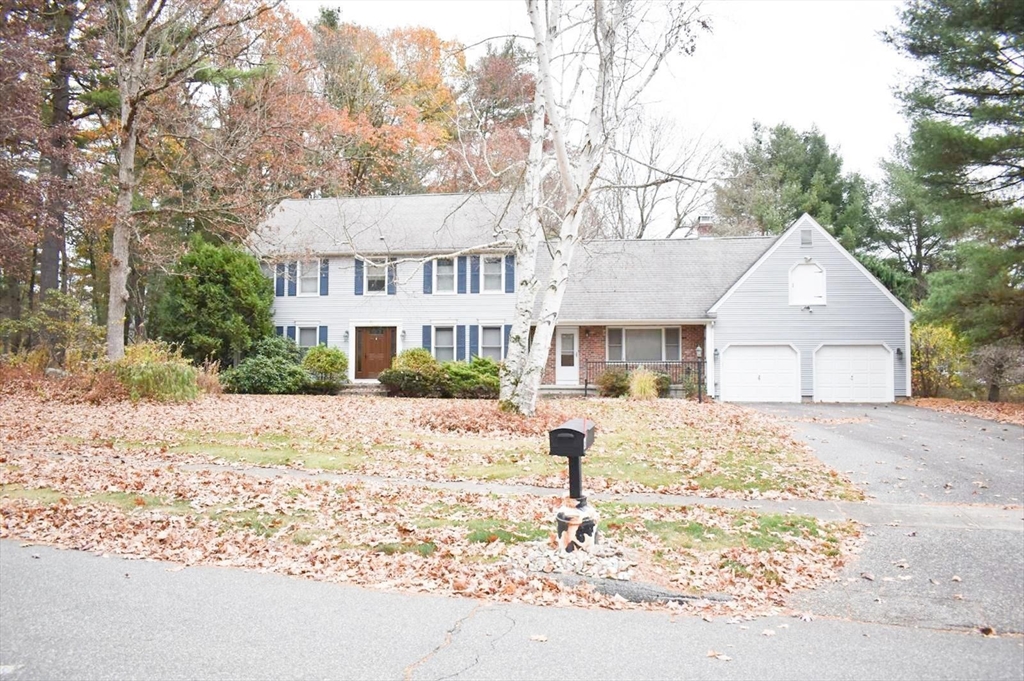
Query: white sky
{"x": 799, "y": 62}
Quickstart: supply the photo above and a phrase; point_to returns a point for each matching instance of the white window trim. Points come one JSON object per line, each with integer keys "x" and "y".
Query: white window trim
{"x": 299, "y": 326}
{"x": 642, "y": 328}
{"x": 455, "y": 277}
{"x": 298, "y": 278}
{"x": 824, "y": 283}
{"x": 483, "y": 277}
{"x": 501, "y": 338}
{"x": 367, "y": 262}
{"x": 455, "y": 339}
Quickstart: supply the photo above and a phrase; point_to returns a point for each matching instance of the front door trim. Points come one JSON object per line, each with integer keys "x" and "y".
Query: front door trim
{"x": 350, "y": 346}
{"x": 567, "y": 375}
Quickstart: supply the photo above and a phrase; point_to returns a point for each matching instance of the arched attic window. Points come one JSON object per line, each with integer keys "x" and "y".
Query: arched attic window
{"x": 807, "y": 284}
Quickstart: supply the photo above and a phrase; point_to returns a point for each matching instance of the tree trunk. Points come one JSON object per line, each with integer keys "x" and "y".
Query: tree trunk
{"x": 993, "y": 392}
{"x": 55, "y": 156}
{"x": 129, "y": 75}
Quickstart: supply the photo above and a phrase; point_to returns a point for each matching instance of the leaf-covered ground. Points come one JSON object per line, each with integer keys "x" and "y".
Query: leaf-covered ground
{"x": 177, "y": 482}
{"x": 1003, "y": 412}
{"x": 669, "y": 446}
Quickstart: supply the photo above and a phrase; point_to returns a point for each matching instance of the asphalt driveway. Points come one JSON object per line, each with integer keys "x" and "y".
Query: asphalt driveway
{"x": 949, "y": 553}
{"x": 903, "y": 454}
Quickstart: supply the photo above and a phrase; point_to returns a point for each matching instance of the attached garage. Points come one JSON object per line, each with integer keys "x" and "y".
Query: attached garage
{"x": 760, "y": 373}
{"x": 853, "y": 373}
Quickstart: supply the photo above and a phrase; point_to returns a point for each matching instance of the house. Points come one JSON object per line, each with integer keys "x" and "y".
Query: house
{"x": 781, "y": 319}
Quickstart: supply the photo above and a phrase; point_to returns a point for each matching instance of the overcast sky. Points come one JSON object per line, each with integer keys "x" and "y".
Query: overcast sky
{"x": 799, "y": 62}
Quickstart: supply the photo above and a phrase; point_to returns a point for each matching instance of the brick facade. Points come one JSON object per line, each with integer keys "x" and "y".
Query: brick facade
{"x": 592, "y": 340}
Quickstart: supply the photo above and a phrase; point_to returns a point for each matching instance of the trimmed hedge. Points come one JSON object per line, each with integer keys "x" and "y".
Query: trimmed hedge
{"x": 415, "y": 373}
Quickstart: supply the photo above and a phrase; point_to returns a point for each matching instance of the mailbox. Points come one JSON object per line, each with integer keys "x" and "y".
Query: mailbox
{"x": 572, "y": 438}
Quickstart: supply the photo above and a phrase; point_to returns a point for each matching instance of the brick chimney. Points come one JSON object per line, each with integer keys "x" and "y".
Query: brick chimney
{"x": 705, "y": 225}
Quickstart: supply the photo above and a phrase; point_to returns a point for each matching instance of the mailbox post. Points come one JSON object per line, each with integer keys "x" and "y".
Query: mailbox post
{"x": 577, "y": 527}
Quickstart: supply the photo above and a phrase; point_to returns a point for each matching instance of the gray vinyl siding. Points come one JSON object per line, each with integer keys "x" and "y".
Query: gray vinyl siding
{"x": 409, "y": 309}
{"x": 856, "y": 311}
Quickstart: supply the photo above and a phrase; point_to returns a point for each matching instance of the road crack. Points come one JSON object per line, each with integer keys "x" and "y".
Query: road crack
{"x": 449, "y": 636}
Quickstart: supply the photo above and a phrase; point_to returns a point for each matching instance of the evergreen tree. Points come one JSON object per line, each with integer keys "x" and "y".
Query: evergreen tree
{"x": 216, "y": 303}
{"x": 967, "y": 146}
{"x": 781, "y": 174}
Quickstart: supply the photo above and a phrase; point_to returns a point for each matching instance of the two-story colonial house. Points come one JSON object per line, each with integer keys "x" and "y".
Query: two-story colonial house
{"x": 779, "y": 318}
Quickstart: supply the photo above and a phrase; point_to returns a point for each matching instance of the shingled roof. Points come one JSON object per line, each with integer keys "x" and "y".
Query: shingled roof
{"x": 377, "y": 225}
{"x": 653, "y": 279}
{"x": 610, "y": 280}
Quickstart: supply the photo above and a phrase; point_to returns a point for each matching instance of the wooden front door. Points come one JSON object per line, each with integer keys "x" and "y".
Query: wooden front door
{"x": 375, "y": 348}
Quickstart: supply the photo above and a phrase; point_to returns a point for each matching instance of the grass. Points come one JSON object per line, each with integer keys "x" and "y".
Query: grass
{"x": 127, "y": 501}
{"x": 706, "y": 448}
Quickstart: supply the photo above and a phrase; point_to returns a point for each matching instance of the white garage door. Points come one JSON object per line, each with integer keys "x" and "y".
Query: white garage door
{"x": 760, "y": 373}
{"x": 853, "y": 373}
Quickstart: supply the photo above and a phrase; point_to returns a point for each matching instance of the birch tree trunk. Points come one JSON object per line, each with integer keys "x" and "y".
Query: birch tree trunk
{"x": 617, "y": 60}
{"x": 131, "y": 54}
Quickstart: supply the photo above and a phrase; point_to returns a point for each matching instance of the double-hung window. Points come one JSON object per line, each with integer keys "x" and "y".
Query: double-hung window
{"x": 376, "y": 277}
{"x": 444, "y": 343}
{"x": 308, "y": 338}
{"x": 491, "y": 338}
{"x": 494, "y": 269}
{"x": 309, "y": 278}
{"x": 644, "y": 345}
{"x": 444, "y": 275}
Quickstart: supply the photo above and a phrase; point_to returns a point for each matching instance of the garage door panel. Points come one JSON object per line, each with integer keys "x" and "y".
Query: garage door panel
{"x": 853, "y": 373}
{"x": 760, "y": 373}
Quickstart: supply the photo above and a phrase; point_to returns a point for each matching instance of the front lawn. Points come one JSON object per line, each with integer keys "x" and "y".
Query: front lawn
{"x": 669, "y": 446}
{"x": 401, "y": 536}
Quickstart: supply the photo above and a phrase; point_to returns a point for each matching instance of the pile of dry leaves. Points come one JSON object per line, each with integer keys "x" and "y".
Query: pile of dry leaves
{"x": 392, "y": 536}
{"x": 1003, "y": 412}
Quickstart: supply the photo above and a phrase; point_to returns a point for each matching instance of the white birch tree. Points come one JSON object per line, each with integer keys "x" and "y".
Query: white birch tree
{"x": 594, "y": 59}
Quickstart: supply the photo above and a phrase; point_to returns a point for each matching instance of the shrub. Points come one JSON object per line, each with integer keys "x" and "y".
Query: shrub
{"x": 154, "y": 370}
{"x": 266, "y": 375}
{"x": 327, "y": 368}
{"x": 998, "y": 365}
{"x": 643, "y": 385}
{"x": 613, "y": 383}
{"x": 938, "y": 356}
{"x": 208, "y": 378}
{"x": 477, "y": 379}
{"x": 690, "y": 386}
{"x": 414, "y": 359}
{"x": 409, "y": 383}
{"x": 277, "y": 347}
{"x": 664, "y": 383}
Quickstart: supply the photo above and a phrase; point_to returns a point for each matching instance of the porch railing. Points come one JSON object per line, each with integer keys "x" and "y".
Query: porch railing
{"x": 684, "y": 373}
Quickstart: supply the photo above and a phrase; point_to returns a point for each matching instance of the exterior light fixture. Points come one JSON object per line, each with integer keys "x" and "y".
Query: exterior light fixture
{"x": 700, "y": 352}
{"x": 899, "y": 354}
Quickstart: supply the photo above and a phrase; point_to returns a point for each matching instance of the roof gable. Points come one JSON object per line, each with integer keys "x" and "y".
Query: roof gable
{"x": 803, "y": 221}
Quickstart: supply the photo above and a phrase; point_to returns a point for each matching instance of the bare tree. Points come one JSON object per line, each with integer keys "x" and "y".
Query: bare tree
{"x": 594, "y": 59}
{"x": 655, "y": 180}
{"x": 156, "y": 45}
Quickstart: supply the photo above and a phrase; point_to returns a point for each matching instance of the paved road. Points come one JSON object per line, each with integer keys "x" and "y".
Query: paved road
{"x": 66, "y": 614}
{"x": 944, "y": 552}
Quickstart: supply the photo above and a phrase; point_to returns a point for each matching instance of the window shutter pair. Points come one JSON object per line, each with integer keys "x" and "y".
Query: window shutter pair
{"x": 392, "y": 278}
{"x": 286, "y": 275}
{"x": 460, "y": 264}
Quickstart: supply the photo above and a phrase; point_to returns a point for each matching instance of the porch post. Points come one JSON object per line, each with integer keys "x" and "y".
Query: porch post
{"x": 709, "y": 356}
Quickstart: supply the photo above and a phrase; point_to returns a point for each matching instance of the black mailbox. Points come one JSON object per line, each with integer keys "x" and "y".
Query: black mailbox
{"x": 572, "y": 438}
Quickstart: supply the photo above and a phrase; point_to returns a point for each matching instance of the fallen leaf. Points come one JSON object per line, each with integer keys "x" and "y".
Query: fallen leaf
{"x": 768, "y": 632}
{"x": 868, "y": 576}
{"x": 956, "y": 578}
{"x": 539, "y": 638}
